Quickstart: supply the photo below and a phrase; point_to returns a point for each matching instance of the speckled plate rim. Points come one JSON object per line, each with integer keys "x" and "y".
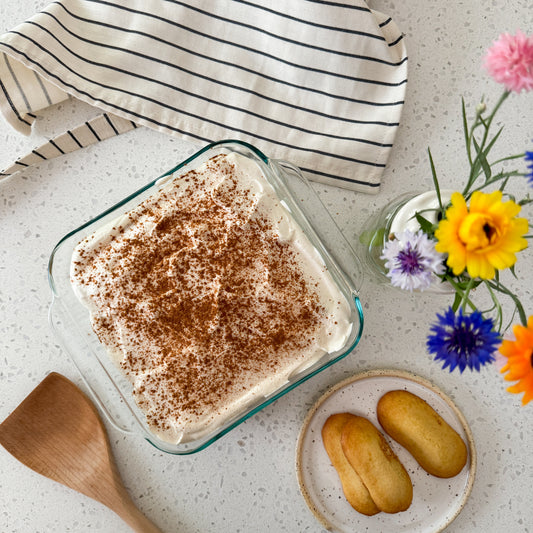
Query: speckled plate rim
{"x": 394, "y": 373}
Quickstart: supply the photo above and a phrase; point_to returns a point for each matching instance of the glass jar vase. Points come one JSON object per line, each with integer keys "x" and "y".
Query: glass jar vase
{"x": 390, "y": 221}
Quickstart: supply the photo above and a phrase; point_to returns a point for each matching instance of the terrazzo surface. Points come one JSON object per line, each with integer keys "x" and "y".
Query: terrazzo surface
{"x": 247, "y": 481}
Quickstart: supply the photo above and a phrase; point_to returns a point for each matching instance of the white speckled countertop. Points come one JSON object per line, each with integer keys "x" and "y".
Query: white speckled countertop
{"x": 246, "y": 481}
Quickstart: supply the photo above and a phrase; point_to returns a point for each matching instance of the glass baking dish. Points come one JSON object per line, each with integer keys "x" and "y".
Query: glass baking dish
{"x": 109, "y": 388}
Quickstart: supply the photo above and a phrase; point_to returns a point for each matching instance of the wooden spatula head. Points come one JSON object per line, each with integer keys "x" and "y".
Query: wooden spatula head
{"x": 57, "y": 432}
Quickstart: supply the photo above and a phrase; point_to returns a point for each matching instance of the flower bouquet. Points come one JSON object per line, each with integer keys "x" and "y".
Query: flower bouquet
{"x": 466, "y": 239}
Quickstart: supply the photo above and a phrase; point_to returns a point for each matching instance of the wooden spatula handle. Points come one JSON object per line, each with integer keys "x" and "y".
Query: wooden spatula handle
{"x": 137, "y": 521}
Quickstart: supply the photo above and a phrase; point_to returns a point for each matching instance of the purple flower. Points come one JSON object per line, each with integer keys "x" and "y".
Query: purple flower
{"x": 412, "y": 261}
{"x": 529, "y": 175}
{"x": 463, "y": 340}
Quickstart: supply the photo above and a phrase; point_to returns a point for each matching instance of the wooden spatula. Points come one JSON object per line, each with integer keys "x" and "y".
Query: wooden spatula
{"x": 57, "y": 432}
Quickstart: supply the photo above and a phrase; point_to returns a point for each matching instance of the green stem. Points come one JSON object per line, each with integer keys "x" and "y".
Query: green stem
{"x": 509, "y": 158}
{"x": 499, "y": 103}
{"x": 464, "y": 293}
{"x": 497, "y": 306}
{"x": 504, "y": 290}
{"x": 503, "y": 176}
{"x": 476, "y": 162}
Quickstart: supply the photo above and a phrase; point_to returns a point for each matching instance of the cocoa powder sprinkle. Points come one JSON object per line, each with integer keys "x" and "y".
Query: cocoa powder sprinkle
{"x": 203, "y": 299}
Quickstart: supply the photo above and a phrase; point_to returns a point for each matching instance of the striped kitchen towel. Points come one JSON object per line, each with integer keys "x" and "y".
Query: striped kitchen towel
{"x": 320, "y": 83}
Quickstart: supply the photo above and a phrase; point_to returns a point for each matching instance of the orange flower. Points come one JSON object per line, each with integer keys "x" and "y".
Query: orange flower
{"x": 519, "y": 364}
{"x": 483, "y": 237}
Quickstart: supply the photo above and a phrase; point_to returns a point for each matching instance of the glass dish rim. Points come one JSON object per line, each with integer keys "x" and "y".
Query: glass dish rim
{"x": 213, "y": 436}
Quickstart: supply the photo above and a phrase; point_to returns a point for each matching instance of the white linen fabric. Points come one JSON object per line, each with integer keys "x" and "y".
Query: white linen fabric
{"x": 320, "y": 83}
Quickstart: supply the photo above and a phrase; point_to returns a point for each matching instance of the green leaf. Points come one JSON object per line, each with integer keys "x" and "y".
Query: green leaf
{"x": 465, "y": 130}
{"x": 482, "y": 160}
{"x": 512, "y": 269}
{"x": 492, "y": 142}
{"x": 435, "y": 180}
{"x": 425, "y": 225}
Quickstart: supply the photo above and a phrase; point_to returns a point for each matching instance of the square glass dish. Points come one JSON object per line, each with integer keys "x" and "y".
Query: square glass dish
{"x": 111, "y": 390}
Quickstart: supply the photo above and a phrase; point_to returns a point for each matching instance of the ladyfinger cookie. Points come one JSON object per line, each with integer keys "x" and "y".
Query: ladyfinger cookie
{"x": 378, "y": 466}
{"x": 414, "y": 424}
{"x": 354, "y": 489}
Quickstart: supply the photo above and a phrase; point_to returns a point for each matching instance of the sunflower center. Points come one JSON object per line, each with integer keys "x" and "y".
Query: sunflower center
{"x": 489, "y": 231}
{"x": 478, "y": 231}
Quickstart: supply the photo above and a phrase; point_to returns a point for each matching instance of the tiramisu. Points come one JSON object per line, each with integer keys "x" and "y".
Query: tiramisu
{"x": 208, "y": 295}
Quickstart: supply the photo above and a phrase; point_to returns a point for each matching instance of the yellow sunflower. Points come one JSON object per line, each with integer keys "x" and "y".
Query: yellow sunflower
{"x": 481, "y": 238}
{"x": 519, "y": 364}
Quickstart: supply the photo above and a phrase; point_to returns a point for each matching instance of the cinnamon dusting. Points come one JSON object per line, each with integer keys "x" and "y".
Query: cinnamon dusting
{"x": 202, "y": 297}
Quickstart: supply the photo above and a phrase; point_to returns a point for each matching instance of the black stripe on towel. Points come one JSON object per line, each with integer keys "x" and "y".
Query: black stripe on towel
{"x": 341, "y": 178}
{"x": 205, "y": 119}
{"x": 91, "y": 129}
{"x": 55, "y": 145}
{"x": 219, "y": 61}
{"x": 73, "y": 137}
{"x": 12, "y": 106}
{"x": 38, "y": 154}
{"x": 242, "y": 46}
{"x": 280, "y": 14}
{"x": 180, "y": 131}
{"x": 196, "y": 95}
{"x": 337, "y": 4}
{"x": 111, "y": 124}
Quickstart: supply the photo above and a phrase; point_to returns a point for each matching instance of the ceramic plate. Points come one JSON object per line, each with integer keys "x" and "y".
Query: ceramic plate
{"x": 436, "y": 502}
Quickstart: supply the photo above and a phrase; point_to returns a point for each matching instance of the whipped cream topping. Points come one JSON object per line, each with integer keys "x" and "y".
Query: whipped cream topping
{"x": 208, "y": 295}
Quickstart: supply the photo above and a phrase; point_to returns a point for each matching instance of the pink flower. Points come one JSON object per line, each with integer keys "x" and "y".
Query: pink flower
{"x": 510, "y": 61}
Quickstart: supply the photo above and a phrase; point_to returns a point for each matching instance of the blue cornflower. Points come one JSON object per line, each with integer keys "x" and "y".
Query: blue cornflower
{"x": 463, "y": 340}
{"x": 412, "y": 261}
{"x": 529, "y": 175}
